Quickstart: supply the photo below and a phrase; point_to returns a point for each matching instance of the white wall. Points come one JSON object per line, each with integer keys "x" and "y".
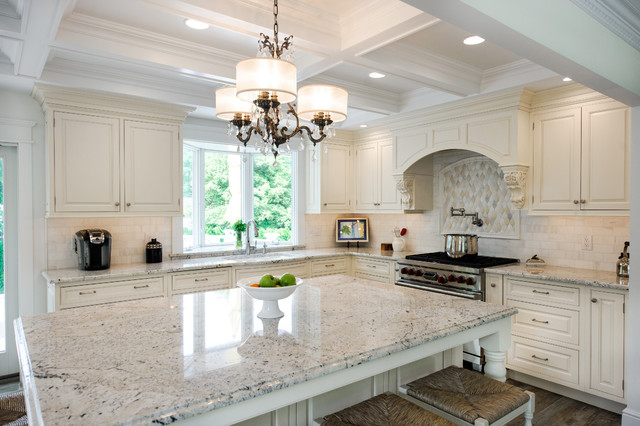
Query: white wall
{"x": 631, "y": 415}
{"x": 20, "y": 106}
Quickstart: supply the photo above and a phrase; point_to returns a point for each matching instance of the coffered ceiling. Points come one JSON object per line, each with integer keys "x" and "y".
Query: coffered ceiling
{"x": 143, "y": 48}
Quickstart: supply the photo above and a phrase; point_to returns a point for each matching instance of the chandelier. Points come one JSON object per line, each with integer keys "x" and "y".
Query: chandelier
{"x": 264, "y": 84}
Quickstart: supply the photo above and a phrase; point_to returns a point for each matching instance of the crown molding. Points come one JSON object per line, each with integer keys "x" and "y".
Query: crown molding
{"x": 522, "y": 71}
{"x": 572, "y": 94}
{"x": 50, "y": 97}
{"x": 622, "y": 17}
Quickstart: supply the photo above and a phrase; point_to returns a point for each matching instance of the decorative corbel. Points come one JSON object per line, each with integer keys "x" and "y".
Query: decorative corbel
{"x": 404, "y": 184}
{"x": 516, "y": 179}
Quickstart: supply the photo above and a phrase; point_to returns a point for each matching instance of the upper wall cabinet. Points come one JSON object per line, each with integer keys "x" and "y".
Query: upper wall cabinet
{"x": 375, "y": 185}
{"x": 329, "y": 178}
{"x": 110, "y": 155}
{"x": 581, "y": 159}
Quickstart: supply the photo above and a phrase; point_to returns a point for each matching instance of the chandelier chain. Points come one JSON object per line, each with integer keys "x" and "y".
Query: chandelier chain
{"x": 275, "y": 22}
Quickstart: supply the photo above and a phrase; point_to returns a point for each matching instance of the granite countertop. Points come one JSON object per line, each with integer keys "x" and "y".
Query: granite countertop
{"x": 167, "y": 359}
{"x": 201, "y": 263}
{"x": 590, "y": 277}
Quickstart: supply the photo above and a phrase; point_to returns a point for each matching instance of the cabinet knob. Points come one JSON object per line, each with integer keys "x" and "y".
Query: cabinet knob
{"x": 493, "y": 285}
{"x": 325, "y": 204}
{"x": 128, "y": 204}
{"x": 594, "y": 300}
{"x": 575, "y": 201}
{"x": 117, "y": 203}
{"x": 583, "y": 201}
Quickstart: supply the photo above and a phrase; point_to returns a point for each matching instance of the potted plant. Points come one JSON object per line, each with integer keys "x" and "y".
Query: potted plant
{"x": 239, "y": 227}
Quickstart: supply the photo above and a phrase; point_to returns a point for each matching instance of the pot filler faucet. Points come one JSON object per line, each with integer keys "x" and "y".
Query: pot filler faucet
{"x": 460, "y": 212}
{"x": 255, "y": 234}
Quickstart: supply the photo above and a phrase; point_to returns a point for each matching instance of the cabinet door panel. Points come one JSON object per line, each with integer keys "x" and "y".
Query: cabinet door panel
{"x": 86, "y": 163}
{"x": 366, "y": 176}
{"x": 153, "y": 164}
{"x": 336, "y": 183}
{"x": 605, "y": 156}
{"x": 389, "y": 195}
{"x": 607, "y": 342}
{"x": 556, "y": 160}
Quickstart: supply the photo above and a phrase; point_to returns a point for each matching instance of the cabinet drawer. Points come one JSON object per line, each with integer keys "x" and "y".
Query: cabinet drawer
{"x": 334, "y": 265}
{"x": 371, "y": 277}
{"x": 94, "y": 294}
{"x": 545, "y": 322}
{"x": 542, "y": 293}
{"x": 372, "y": 266}
{"x": 549, "y": 362}
{"x": 203, "y": 281}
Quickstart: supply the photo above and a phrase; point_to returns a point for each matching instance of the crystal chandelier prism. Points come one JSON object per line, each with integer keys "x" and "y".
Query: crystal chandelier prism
{"x": 261, "y": 103}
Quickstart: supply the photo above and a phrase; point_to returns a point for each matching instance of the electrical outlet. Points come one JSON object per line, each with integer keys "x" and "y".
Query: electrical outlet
{"x": 587, "y": 242}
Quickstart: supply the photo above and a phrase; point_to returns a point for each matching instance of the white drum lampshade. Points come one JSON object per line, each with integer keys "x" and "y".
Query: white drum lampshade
{"x": 271, "y": 75}
{"x": 228, "y": 104}
{"x": 317, "y": 98}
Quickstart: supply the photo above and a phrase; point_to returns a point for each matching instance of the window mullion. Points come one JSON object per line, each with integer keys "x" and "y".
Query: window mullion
{"x": 200, "y": 185}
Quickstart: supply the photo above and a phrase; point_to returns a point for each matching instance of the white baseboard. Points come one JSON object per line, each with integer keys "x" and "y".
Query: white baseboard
{"x": 587, "y": 398}
{"x": 630, "y": 418}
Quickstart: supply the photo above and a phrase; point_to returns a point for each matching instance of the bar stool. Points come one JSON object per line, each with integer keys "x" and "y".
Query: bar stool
{"x": 12, "y": 409}
{"x": 383, "y": 410}
{"x": 469, "y": 398}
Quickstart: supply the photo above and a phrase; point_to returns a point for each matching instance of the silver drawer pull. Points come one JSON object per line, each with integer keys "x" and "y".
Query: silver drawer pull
{"x": 541, "y": 322}
{"x": 329, "y": 266}
{"x": 538, "y": 358}
{"x": 84, "y": 293}
{"x": 141, "y": 286}
{"x": 540, "y": 292}
{"x": 372, "y": 266}
{"x": 201, "y": 279}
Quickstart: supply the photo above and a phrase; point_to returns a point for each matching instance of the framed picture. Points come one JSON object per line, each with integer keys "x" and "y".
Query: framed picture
{"x": 352, "y": 229}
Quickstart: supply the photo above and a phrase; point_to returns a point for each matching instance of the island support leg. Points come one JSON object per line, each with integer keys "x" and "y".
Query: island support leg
{"x": 495, "y": 351}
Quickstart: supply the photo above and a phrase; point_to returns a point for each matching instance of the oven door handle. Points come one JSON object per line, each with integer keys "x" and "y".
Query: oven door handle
{"x": 466, "y": 295}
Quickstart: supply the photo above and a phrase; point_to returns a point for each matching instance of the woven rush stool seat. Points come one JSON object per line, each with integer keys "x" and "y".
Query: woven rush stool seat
{"x": 384, "y": 410}
{"x": 12, "y": 409}
{"x": 469, "y": 398}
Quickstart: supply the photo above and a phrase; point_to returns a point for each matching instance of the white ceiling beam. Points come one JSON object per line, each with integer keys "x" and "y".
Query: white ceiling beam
{"x": 40, "y": 23}
{"x": 570, "y": 42}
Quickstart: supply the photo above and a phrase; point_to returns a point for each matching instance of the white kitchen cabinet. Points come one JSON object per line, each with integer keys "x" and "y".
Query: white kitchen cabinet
{"x": 607, "y": 342}
{"x": 111, "y": 155}
{"x": 494, "y": 288}
{"x": 153, "y": 167}
{"x": 193, "y": 282}
{"x": 74, "y": 296}
{"x": 86, "y": 163}
{"x": 329, "y": 266}
{"x": 374, "y": 269}
{"x": 336, "y": 177}
{"x": 297, "y": 268}
{"x": 581, "y": 158}
{"x": 374, "y": 182}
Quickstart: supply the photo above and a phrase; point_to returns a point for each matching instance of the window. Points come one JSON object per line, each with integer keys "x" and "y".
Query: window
{"x": 222, "y": 186}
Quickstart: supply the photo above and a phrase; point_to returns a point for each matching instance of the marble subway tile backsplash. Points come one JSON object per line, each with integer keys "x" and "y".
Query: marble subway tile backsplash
{"x": 128, "y": 244}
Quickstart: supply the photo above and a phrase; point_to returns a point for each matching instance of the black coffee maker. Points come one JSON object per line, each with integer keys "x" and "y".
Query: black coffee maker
{"x": 93, "y": 247}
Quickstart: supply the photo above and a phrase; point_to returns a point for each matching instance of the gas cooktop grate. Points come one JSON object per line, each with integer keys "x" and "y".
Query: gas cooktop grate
{"x": 474, "y": 261}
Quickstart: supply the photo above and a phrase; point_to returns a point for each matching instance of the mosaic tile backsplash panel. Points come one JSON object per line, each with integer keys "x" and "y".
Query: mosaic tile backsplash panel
{"x": 476, "y": 184}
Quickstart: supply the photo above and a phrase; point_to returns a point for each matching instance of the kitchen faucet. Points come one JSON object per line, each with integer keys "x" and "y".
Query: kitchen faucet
{"x": 255, "y": 234}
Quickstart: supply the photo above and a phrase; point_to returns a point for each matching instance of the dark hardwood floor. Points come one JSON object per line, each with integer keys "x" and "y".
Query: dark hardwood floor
{"x": 557, "y": 410}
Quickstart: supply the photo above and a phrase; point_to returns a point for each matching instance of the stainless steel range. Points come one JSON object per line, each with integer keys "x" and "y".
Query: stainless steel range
{"x": 463, "y": 277}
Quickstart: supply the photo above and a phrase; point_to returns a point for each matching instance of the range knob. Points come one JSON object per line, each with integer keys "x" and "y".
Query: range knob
{"x": 403, "y": 270}
{"x": 452, "y": 278}
{"x": 460, "y": 279}
{"x": 411, "y": 272}
{"x": 418, "y": 273}
{"x": 470, "y": 281}
{"x": 442, "y": 279}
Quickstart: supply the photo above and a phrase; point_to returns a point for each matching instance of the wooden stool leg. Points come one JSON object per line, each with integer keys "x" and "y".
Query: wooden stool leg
{"x": 531, "y": 407}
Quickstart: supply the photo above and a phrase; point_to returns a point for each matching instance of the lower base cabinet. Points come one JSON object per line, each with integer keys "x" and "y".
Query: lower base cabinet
{"x": 572, "y": 335}
{"x": 193, "y": 282}
{"x": 299, "y": 269}
{"x": 374, "y": 269}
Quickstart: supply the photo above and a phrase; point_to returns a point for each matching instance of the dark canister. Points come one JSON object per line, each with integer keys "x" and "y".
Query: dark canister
{"x": 154, "y": 251}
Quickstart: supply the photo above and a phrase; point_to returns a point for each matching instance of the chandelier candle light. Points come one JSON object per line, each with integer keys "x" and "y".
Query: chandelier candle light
{"x": 263, "y": 85}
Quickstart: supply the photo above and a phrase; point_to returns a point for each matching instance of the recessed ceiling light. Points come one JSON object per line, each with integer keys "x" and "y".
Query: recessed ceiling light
{"x": 376, "y": 75}
{"x": 363, "y": 125}
{"x": 566, "y": 79}
{"x": 196, "y": 25}
{"x": 473, "y": 40}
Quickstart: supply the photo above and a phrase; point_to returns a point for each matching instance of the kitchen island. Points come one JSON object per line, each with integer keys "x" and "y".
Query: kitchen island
{"x": 206, "y": 358}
